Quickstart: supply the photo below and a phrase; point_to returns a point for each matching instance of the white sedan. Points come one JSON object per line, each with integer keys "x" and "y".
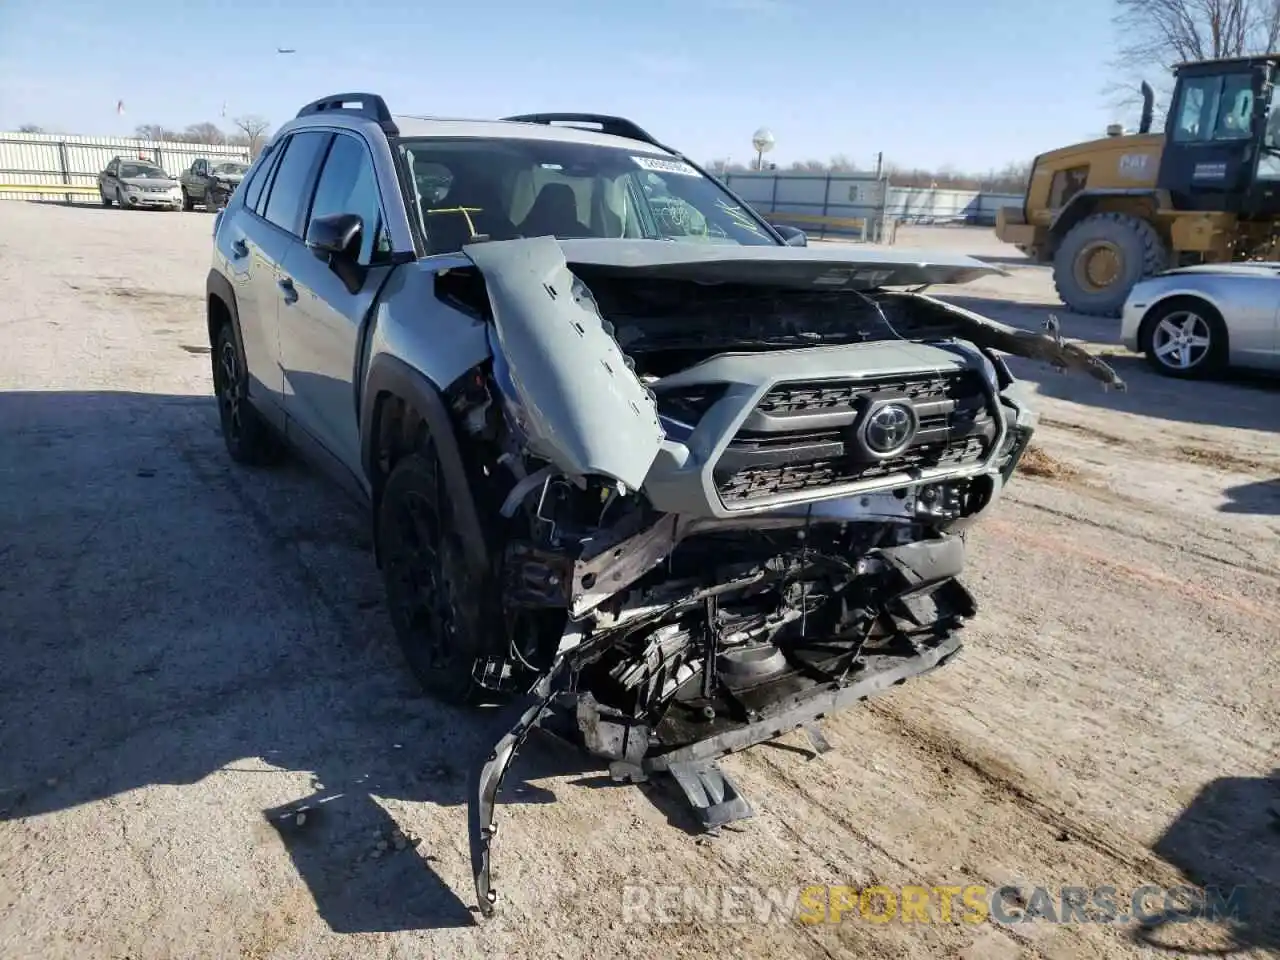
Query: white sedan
{"x": 1198, "y": 321}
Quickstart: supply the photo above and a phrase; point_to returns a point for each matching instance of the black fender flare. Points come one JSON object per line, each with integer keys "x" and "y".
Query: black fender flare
{"x": 216, "y": 285}
{"x": 392, "y": 376}
{"x": 1085, "y": 203}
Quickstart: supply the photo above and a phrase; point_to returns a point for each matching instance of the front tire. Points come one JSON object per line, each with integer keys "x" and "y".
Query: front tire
{"x": 248, "y": 438}
{"x": 441, "y": 609}
{"x": 106, "y": 201}
{"x": 1186, "y": 339}
{"x": 1101, "y": 258}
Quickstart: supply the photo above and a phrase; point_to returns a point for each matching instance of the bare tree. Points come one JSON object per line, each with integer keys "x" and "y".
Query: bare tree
{"x": 254, "y": 129}
{"x": 155, "y": 131}
{"x": 31, "y": 128}
{"x": 722, "y": 165}
{"x": 1012, "y": 178}
{"x": 1161, "y": 33}
{"x": 204, "y": 133}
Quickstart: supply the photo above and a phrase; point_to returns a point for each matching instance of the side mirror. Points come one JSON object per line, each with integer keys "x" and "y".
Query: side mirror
{"x": 334, "y": 234}
{"x": 792, "y": 236}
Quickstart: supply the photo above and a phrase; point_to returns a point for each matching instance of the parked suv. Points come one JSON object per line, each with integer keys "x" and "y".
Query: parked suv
{"x": 134, "y": 183}
{"x": 627, "y": 455}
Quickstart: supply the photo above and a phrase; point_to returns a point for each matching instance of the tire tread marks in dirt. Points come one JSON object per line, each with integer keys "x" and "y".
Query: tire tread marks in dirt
{"x": 1257, "y": 567}
{"x": 774, "y": 768}
{"x": 1098, "y": 839}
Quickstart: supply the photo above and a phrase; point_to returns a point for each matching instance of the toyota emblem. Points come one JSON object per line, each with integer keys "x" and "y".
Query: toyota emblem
{"x": 888, "y": 428}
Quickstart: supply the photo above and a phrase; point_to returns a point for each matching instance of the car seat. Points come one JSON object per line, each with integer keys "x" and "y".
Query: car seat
{"x": 554, "y": 213}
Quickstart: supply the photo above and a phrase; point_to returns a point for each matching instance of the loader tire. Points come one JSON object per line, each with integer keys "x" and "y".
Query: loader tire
{"x": 1101, "y": 258}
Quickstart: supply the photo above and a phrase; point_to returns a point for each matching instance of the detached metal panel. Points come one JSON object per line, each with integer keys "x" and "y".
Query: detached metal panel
{"x": 50, "y": 159}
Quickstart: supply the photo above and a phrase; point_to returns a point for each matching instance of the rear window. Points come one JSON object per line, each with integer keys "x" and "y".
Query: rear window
{"x": 142, "y": 170}
{"x": 294, "y": 179}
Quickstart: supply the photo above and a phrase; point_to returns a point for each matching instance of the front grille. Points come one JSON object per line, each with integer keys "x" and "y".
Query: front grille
{"x": 799, "y": 398}
{"x": 800, "y": 436}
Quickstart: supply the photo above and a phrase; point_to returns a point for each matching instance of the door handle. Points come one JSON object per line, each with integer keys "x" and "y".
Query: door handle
{"x": 289, "y": 290}
{"x": 239, "y": 249}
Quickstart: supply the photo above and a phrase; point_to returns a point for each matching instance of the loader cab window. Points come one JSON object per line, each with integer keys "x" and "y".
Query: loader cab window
{"x": 1269, "y": 156}
{"x": 1214, "y": 109}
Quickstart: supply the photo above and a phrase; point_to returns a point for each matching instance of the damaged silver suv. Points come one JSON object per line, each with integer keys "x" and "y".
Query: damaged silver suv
{"x": 673, "y": 484}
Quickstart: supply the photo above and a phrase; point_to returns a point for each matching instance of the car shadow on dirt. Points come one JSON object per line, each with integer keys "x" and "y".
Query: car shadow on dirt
{"x": 1239, "y": 399}
{"x": 169, "y": 618}
{"x": 1227, "y": 843}
{"x": 1262, "y": 498}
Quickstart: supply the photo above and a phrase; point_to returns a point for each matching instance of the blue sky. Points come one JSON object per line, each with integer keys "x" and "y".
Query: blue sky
{"x": 967, "y": 83}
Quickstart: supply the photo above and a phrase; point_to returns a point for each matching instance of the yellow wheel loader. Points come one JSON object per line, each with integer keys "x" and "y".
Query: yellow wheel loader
{"x": 1109, "y": 212}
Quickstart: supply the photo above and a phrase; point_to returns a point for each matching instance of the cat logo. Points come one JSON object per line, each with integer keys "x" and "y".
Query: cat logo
{"x": 1133, "y": 166}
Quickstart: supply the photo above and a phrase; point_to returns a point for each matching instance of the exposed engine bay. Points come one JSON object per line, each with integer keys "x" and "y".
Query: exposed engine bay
{"x": 726, "y": 500}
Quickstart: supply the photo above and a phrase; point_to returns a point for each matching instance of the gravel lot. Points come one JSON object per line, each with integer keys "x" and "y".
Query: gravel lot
{"x": 188, "y": 646}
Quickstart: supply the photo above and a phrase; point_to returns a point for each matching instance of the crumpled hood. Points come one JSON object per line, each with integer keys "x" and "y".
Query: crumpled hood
{"x": 835, "y": 266}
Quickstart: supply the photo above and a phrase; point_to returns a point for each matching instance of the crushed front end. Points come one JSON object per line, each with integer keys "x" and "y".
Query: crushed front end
{"x": 729, "y": 499}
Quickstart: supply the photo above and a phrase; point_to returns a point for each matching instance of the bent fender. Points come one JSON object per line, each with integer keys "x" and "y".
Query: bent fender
{"x": 568, "y": 383}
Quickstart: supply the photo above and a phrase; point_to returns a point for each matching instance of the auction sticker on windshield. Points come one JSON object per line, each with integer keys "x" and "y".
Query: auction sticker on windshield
{"x": 659, "y": 165}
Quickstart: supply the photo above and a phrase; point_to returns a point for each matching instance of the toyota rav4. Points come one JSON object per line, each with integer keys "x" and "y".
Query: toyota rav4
{"x": 672, "y": 484}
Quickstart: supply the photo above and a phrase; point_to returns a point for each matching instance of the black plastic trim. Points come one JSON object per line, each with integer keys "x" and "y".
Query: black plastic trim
{"x": 218, "y": 285}
{"x": 1083, "y": 203}
{"x": 391, "y": 376}
{"x": 613, "y": 126}
{"x": 368, "y": 105}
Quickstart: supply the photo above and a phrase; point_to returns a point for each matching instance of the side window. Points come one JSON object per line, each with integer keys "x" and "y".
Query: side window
{"x": 348, "y": 184}
{"x": 113, "y": 168}
{"x": 260, "y": 177}
{"x": 293, "y": 179}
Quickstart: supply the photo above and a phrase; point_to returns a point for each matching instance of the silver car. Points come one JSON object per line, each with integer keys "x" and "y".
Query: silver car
{"x": 138, "y": 183}
{"x": 1197, "y": 321}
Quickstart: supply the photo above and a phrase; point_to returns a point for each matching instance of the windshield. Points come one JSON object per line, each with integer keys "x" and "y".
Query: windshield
{"x": 505, "y": 188}
{"x": 231, "y": 168}
{"x": 142, "y": 170}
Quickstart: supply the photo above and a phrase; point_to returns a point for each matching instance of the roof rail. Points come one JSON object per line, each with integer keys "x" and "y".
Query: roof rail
{"x": 367, "y": 105}
{"x": 613, "y": 126}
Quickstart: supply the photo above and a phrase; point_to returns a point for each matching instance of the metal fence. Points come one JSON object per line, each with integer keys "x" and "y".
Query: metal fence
{"x": 924, "y": 205}
{"x": 49, "y": 161}
{"x": 860, "y": 206}
{"x": 848, "y": 205}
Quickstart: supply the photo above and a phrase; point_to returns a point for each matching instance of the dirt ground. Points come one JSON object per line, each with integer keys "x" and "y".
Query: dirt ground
{"x": 188, "y": 646}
